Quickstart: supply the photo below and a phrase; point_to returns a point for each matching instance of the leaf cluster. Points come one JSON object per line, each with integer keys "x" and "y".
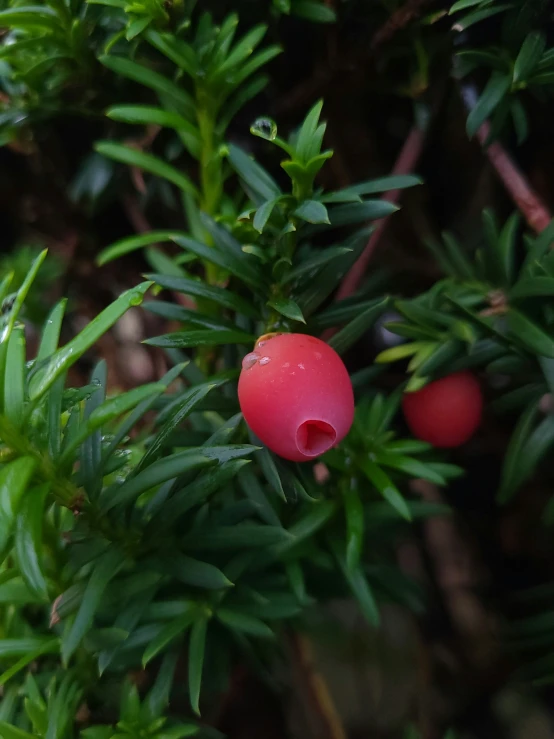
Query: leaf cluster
{"x": 518, "y": 63}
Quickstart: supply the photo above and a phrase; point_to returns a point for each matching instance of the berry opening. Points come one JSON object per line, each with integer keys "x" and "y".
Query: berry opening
{"x": 314, "y": 438}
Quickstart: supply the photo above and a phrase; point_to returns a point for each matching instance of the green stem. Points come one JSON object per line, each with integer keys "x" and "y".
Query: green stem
{"x": 211, "y": 180}
{"x": 211, "y": 176}
{"x": 276, "y": 321}
{"x": 211, "y": 188}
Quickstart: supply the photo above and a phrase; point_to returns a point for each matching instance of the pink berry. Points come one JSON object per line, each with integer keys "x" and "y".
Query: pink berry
{"x": 447, "y": 412}
{"x": 295, "y": 394}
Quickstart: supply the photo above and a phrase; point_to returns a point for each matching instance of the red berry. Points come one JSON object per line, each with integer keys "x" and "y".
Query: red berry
{"x": 447, "y": 412}
{"x": 295, "y": 394}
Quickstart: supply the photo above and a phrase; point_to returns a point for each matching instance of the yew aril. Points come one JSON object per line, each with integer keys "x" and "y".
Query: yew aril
{"x": 296, "y": 395}
{"x": 446, "y": 412}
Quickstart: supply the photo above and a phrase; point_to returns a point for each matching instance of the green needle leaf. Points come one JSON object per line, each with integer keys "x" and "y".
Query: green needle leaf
{"x": 28, "y": 540}
{"x": 197, "y": 647}
{"x": 495, "y": 90}
{"x": 312, "y": 211}
{"x": 167, "y": 635}
{"x": 385, "y": 486}
{"x": 244, "y": 623}
{"x": 288, "y": 308}
{"x": 106, "y": 568}
{"x": 14, "y": 479}
{"x": 354, "y": 527}
{"x": 147, "y": 162}
{"x": 66, "y": 357}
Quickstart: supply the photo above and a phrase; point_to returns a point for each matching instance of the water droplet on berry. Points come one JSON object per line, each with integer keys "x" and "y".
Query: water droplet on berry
{"x": 265, "y": 128}
{"x": 264, "y": 361}
{"x": 250, "y": 360}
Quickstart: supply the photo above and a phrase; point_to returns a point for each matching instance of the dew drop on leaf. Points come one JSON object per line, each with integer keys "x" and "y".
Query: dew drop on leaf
{"x": 265, "y": 128}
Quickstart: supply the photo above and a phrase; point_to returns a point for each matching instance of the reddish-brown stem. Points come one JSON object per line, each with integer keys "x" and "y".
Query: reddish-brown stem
{"x": 457, "y": 574}
{"x": 527, "y": 200}
{"x": 398, "y": 20}
{"x": 405, "y": 163}
{"x": 136, "y": 217}
{"x": 407, "y": 159}
{"x": 316, "y": 689}
{"x": 514, "y": 180}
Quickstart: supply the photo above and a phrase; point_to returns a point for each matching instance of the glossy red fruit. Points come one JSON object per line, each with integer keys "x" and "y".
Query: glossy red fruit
{"x": 295, "y": 394}
{"x": 446, "y": 412}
